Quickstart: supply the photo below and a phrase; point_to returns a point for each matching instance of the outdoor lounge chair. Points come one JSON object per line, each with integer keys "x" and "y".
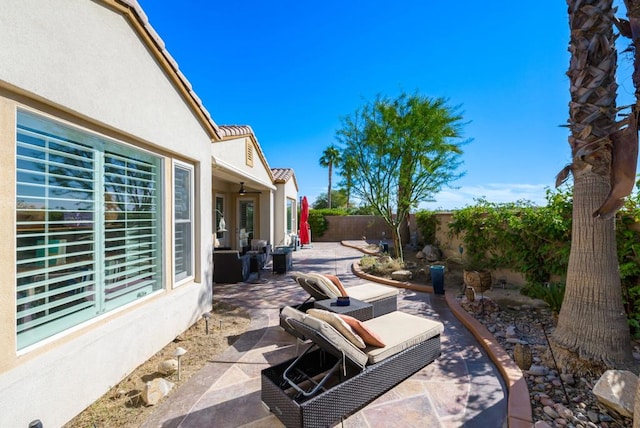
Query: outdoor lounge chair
{"x": 384, "y": 299}
{"x": 333, "y": 378}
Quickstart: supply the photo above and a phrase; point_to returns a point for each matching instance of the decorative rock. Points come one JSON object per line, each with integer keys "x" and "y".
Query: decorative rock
{"x": 593, "y": 416}
{"x": 511, "y": 331}
{"x": 568, "y": 378}
{"x": 536, "y": 370}
{"x": 401, "y": 275}
{"x": 547, "y": 402}
{"x": 168, "y": 367}
{"x": 430, "y": 253}
{"x": 155, "y": 390}
{"x": 541, "y": 424}
{"x": 550, "y": 412}
{"x": 563, "y": 411}
{"x": 616, "y": 389}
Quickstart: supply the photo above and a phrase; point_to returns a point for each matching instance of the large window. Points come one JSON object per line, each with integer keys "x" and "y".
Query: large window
{"x": 183, "y": 221}
{"x": 88, "y": 226}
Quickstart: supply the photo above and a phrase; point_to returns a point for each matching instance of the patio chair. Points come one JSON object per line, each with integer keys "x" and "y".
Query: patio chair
{"x": 321, "y": 286}
{"x": 384, "y": 299}
{"x": 334, "y": 377}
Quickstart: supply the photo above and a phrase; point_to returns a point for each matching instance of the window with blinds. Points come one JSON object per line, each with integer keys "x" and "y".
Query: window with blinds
{"x": 88, "y": 220}
{"x": 183, "y": 223}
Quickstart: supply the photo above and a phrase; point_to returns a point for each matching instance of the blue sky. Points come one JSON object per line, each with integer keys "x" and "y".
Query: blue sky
{"x": 292, "y": 69}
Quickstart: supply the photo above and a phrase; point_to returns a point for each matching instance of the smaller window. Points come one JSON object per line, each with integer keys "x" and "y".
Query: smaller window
{"x": 183, "y": 243}
{"x": 290, "y": 214}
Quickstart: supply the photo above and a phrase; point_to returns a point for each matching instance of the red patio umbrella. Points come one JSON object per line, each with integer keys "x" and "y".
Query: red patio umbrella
{"x": 305, "y": 236}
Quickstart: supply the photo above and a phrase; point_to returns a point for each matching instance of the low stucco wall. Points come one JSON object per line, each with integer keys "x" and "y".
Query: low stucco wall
{"x": 353, "y": 227}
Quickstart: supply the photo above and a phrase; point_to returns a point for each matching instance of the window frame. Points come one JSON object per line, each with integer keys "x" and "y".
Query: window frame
{"x": 180, "y": 278}
{"x": 82, "y": 285}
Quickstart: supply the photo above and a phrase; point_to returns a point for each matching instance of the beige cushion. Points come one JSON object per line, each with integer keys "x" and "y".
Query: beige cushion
{"x": 289, "y": 312}
{"x": 324, "y": 284}
{"x": 339, "y": 324}
{"x": 337, "y": 340}
{"x": 399, "y": 331}
{"x": 371, "y": 292}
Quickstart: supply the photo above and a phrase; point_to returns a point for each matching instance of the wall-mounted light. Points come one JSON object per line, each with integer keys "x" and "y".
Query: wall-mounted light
{"x": 222, "y": 225}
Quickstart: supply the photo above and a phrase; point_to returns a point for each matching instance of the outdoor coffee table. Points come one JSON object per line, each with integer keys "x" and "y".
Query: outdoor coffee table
{"x": 357, "y": 308}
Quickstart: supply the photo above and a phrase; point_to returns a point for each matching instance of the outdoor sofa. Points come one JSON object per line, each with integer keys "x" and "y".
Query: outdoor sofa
{"x": 333, "y": 378}
{"x": 229, "y": 266}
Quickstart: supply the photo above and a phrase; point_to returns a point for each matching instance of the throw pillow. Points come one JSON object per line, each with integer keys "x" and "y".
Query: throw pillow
{"x": 339, "y": 324}
{"x": 336, "y": 281}
{"x": 369, "y": 336}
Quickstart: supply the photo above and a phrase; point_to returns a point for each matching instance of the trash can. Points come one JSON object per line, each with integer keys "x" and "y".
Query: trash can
{"x": 437, "y": 278}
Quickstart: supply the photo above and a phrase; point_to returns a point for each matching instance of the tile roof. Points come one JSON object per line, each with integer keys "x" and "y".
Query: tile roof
{"x": 281, "y": 175}
{"x": 226, "y": 131}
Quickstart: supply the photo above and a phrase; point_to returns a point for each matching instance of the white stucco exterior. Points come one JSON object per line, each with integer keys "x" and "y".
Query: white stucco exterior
{"x": 83, "y": 62}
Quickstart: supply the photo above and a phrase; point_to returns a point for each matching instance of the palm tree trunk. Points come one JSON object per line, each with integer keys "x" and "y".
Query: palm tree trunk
{"x": 592, "y": 322}
{"x": 329, "y": 190}
{"x": 592, "y": 331}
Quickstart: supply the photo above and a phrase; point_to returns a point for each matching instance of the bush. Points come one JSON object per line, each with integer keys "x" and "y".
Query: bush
{"x": 536, "y": 241}
{"x": 552, "y": 294}
{"x": 427, "y": 222}
{"x": 380, "y": 265}
{"x": 317, "y": 221}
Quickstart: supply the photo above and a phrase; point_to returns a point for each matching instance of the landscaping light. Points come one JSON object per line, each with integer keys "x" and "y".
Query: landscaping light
{"x": 179, "y": 353}
{"x": 206, "y": 317}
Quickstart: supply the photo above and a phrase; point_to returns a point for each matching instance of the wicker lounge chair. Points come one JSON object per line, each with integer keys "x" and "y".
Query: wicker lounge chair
{"x": 383, "y": 298}
{"x": 333, "y": 378}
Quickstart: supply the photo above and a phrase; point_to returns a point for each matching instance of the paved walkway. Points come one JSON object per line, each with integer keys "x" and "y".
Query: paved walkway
{"x": 462, "y": 388}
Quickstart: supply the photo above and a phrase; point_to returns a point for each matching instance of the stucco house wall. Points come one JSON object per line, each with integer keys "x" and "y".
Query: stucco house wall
{"x": 93, "y": 65}
{"x": 287, "y": 192}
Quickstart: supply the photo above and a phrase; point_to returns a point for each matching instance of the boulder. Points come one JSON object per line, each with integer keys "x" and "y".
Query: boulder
{"x": 616, "y": 389}
{"x": 401, "y": 275}
{"x": 155, "y": 390}
{"x": 430, "y": 253}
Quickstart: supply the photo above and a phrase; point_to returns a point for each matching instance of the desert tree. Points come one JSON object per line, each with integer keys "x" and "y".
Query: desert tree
{"x": 402, "y": 151}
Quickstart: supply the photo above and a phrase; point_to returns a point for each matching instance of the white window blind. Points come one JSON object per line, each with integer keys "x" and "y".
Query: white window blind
{"x": 88, "y": 226}
{"x": 183, "y": 222}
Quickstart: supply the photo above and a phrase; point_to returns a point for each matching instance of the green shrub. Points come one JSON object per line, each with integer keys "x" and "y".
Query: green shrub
{"x": 550, "y": 293}
{"x": 380, "y": 265}
{"x": 427, "y": 222}
{"x": 318, "y": 223}
{"x": 536, "y": 241}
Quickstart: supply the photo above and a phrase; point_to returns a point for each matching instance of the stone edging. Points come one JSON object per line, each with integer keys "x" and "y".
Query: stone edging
{"x": 519, "y": 413}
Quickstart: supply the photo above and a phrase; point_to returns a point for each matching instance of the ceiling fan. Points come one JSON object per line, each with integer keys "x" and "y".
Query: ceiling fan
{"x": 244, "y": 191}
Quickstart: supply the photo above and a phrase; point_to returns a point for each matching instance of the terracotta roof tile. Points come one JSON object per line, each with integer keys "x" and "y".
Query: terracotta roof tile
{"x": 281, "y": 175}
{"x": 234, "y": 130}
